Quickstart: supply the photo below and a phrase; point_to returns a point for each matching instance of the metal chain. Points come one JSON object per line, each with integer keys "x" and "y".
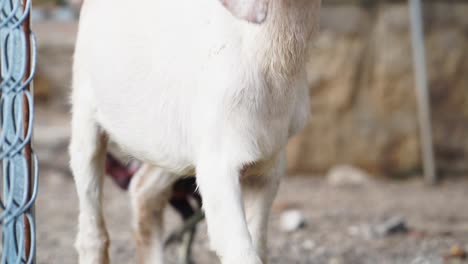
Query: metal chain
{"x": 19, "y": 176}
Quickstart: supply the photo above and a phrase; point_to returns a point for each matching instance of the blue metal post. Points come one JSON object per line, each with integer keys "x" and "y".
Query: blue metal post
{"x": 19, "y": 174}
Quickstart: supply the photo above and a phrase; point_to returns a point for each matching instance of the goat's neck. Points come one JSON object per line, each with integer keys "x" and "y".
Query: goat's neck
{"x": 285, "y": 37}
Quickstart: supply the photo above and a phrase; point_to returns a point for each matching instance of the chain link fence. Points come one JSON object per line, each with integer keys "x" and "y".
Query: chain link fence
{"x": 19, "y": 172}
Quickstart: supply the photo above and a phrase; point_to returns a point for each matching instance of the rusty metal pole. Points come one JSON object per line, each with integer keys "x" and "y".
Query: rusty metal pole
{"x": 26, "y": 118}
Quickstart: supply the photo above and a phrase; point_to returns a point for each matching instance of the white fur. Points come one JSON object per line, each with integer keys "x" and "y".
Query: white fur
{"x": 185, "y": 87}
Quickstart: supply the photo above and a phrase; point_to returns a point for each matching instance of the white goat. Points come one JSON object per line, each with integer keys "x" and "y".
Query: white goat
{"x": 186, "y": 87}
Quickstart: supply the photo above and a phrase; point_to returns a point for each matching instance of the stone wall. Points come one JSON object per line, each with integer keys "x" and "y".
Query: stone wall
{"x": 364, "y": 108}
{"x": 361, "y": 79}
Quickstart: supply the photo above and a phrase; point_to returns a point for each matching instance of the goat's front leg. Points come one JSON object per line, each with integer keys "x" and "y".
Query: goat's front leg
{"x": 259, "y": 192}
{"x": 87, "y": 152}
{"x": 150, "y": 191}
{"x": 222, "y": 201}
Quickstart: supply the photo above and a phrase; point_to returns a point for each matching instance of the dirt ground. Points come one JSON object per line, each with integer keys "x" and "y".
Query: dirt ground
{"x": 436, "y": 216}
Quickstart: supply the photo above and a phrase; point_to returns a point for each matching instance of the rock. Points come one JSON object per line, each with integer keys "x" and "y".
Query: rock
{"x": 345, "y": 175}
{"x": 308, "y": 244}
{"x": 394, "y": 225}
{"x": 336, "y": 260}
{"x": 292, "y": 220}
{"x": 364, "y": 231}
{"x": 425, "y": 260}
{"x": 456, "y": 252}
{"x": 362, "y": 88}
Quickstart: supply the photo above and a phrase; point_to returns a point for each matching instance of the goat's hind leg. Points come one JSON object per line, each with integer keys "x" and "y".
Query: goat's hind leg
{"x": 150, "y": 191}
{"x": 87, "y": 152}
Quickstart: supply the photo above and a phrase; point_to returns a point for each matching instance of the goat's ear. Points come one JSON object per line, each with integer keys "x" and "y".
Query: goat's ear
{"x": 254, "y": 11}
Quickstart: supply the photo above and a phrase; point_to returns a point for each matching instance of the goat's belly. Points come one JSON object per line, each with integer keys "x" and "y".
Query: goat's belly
{"x": 160, "y": 142}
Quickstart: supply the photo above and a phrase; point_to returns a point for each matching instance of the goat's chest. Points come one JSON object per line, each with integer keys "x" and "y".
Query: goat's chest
{"x": 253, "y": 122}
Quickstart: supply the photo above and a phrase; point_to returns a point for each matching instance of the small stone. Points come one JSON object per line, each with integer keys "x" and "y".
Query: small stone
{"x": 394, "y": 225}
{"x": 320, "y": 251}
{"x": 457, "y": 252}
{"x": 423, "y": 260}
{"x": 292, "y": 220}
{"x": 363, "y": 231}
{"x": 336, "y": 261}
{"x": 308, "y": 244}
{"x": 346, "y": 175}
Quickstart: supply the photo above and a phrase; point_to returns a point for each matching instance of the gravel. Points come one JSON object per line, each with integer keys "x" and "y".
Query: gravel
{"x": 437, "y": 217}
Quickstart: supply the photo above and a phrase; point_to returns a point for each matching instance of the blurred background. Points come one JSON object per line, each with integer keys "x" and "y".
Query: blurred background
{"x": 355, "y": 191}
